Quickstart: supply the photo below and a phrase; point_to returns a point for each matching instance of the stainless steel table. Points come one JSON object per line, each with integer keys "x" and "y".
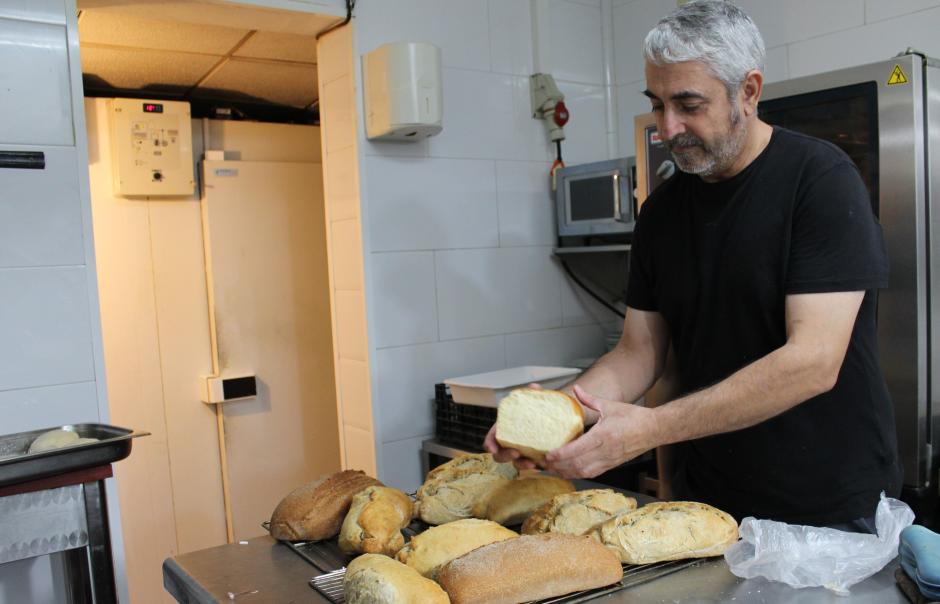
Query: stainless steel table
{"x": 263, "y": 570}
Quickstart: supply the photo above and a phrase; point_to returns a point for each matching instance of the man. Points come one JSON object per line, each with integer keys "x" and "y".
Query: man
{"x": 758, "y": 264}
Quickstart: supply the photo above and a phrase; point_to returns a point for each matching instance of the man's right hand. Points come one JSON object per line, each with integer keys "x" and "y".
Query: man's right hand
{"x": 504, "y": 455}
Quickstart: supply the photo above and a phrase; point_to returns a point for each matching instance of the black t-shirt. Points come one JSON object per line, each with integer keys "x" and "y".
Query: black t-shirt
{"x": 717, "y": 260}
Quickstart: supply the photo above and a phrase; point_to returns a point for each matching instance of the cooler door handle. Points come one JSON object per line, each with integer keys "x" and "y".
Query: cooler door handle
{"x": 23, "y": 160}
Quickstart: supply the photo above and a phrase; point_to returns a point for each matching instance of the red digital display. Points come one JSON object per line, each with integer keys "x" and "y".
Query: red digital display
{"x": 153, "y": 108}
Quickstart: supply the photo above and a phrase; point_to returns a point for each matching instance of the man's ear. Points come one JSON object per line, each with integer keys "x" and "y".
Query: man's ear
{"x": 750, "y": 92}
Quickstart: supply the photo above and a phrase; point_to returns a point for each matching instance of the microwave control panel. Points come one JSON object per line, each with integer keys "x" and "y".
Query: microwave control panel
{"x": 151, "y": 148}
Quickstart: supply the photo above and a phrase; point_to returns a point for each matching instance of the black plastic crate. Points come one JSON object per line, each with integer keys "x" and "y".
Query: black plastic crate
{"x": 459, "y": 425}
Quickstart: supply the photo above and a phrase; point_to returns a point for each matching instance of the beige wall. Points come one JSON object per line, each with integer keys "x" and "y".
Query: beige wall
{"x": 341, "y": 184}
{"x": 155, "y": 323}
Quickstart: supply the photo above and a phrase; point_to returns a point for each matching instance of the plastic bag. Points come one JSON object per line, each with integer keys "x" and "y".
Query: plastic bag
{"x": 807, "y": 556}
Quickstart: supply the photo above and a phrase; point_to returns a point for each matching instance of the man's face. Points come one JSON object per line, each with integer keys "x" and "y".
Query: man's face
{"x": 701, "y": 128}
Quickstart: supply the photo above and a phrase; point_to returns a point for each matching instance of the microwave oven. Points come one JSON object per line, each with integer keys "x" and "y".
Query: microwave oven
{"x": 595, "y": 199}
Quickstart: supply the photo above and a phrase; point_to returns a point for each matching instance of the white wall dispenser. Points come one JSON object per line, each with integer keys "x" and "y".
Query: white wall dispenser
{"x": 402, "y": 96}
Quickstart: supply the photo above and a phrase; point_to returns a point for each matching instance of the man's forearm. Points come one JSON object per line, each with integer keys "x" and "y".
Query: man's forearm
{"x": 617, "y": 376}
{"x": 769, "y": 386}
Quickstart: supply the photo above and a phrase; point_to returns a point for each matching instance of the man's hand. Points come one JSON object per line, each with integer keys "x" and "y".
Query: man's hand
{"x": 504, "y": 455}
{"x": 624, "y": 431}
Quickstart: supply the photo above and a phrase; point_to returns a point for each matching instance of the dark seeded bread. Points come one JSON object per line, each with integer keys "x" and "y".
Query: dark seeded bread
{"x": 316, "y": 510}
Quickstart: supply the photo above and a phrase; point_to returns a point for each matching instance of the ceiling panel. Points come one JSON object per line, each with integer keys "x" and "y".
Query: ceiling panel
{"x": 283, "y": 47}
{"x": 285, "y": 84}
{"x": 135, "y": 69}
{"x": 122, "y": 30}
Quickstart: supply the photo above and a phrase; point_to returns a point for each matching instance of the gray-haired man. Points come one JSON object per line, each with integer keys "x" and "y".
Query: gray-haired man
{"x": 758, "y": 264}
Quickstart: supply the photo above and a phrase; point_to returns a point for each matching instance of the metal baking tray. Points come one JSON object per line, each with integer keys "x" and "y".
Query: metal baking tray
{"x": 330, "y": 584}
{"x": 18, "y": 465}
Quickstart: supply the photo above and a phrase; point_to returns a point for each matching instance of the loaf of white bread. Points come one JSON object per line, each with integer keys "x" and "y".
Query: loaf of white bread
{"x": 316, "y": 510}
{"x": 378, "y": 579}
{"x": 451, "y": 490}
{"x": 374, "y": 522}
{"x": 536, "y": 421}
{"x": 427, "y": 552}
{"x": 512, "y": 502}
{"x": 578, "y": 513}
{"x": 669, "y": 530}
{"x": 531, "y": 567}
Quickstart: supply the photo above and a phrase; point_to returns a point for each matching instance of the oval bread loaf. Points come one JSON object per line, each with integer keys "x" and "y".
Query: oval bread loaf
{"x": 512, "y": 502}
{"x": 378, "y": 579}
{"x": 374, "y": 522}
{"x": 427, "y": 552}
{"x": 669, "y": 530}
{"x": 316, "y": 510}
{"x": 578, "y": 513}
{"x": 536, "y": 421}
{"x": 532, "y": 567}
{"x": 451, "y": 490}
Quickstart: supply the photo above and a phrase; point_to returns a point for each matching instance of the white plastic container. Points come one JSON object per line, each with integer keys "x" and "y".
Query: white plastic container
{"x": 487, "y": 389}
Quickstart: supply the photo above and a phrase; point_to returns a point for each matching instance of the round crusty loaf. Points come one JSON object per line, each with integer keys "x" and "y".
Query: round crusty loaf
{"x": 512, "y": 502}
{"x": 669, "y": 530}
{"x": 532, "y": 567}
{"x": 374, "y": 522}
{"x": 427, "y": 552}
{"x": 316, "y": 510}
{"x": 578, "y": 513}
{"x": 378, "y": 579}
{"x": 452, "y": 489}
{"x": 536, "y": 421}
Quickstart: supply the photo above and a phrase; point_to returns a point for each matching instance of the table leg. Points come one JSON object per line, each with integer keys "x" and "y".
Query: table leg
{"x": 99, "y": 543}
{"x": 78, "y": 581}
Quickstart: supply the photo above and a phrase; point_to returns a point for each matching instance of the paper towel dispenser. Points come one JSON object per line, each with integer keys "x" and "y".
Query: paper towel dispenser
{"x": 402, "y": 95}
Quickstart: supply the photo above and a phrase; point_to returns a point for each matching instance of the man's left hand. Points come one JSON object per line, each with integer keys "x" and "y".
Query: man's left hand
{"x": 624, "y": 431}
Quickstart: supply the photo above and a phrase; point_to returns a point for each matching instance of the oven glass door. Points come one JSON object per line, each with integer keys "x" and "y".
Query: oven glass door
{"x": 846, "y": 116}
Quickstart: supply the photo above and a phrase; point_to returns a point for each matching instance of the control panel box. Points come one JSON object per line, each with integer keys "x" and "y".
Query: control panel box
{"x": 151, "y": 148}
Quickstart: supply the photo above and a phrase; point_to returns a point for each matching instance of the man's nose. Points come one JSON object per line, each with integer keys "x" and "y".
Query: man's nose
{"x": 670, "y": 125}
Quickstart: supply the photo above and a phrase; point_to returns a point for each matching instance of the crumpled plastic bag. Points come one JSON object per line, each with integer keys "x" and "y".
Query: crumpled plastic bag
{"x": 808, "y": 556}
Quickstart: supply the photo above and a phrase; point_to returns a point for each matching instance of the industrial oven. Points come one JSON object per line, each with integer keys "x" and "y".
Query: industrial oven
{"x": 886, "y": 116}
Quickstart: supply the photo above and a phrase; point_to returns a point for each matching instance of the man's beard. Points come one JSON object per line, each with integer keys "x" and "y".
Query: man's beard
{"x": 715, "y": 157}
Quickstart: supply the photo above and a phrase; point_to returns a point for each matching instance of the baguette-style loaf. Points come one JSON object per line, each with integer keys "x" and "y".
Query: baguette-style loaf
{"x": 315, "y": 511}
{"x": 532, "y": 567}
{"x": 451, "y": 490}
{"x": 378, "y": 579}
{"x": 536, "y": 421}
{"x": 374, "y": 522}
{"x": 512, "y": 502}
{"x": 669, "y": 530}
{"x": 578, "y": 513}
{"x": 427, "y": 552}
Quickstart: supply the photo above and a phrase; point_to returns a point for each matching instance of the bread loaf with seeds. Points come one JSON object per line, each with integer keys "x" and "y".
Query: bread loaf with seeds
{"x": 315, "y": 511}
{"x": 578, "y": 513}
{"x": 669, "y": 530}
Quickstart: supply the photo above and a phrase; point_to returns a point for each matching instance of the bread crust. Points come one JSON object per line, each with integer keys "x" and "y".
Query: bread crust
{"x": 669, "y": 530}
{"x": 578, "y": 513}
{"x": 538, "y": 454}
{"x": 374, "y": 522}
{"x": 512, "y": 502}
{"x": 451, "y": 490}
{"x": 532, "y": 567}
{"x": 315, "y": 511}
{"x": 427, "y": 552}
{"x": 378, "y": 579}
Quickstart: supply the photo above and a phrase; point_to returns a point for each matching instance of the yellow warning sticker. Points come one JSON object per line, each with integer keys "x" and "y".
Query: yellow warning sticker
{"x": 897, "y": 76}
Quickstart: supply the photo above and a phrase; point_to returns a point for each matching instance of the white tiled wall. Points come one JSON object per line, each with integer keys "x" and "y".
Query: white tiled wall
{"x": 460, "y": 228}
